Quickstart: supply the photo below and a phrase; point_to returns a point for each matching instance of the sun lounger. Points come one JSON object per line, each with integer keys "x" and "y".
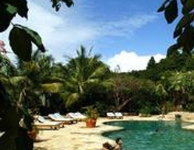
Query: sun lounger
{"x": 110, "y": 115}
{"x": 81, "y": 116}
{"x": 42, "y": 123}
{"x": 119, "y": 115}
{"x": 62, "y": 117}
{"x": 76, "y": 116}
{"x": 58, "y": 118}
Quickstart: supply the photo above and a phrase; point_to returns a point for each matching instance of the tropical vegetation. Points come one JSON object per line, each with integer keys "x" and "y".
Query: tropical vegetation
{"x": 36, "y": 84}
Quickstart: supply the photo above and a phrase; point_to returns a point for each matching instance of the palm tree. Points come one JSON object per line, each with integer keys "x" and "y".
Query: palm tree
{"x": 39, "y": 73}
{"x": 19, "y": 92}
{"x": 81, "y": 73}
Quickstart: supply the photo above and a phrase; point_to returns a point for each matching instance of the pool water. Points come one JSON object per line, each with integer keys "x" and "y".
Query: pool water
{"x": 153, "y": 135}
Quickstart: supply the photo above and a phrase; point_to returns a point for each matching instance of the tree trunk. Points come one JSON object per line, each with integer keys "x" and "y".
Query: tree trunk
{"x": 123, "y": 104}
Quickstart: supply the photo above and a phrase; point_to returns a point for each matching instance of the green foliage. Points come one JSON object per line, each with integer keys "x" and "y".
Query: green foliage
{"x": 91, "y": 112}
{"x": 175, "y": 61}
{"x": 8, "y": 10}
{"x": 170, "y": 10}
{"x": 184, "y": 31}
{"x": 124, "y": 86}
{"x": 21, "y": 39}
{"x": 85, "y": 79}
{"x": 151, "y": 63}
{"x": 57, "y": 3}
{"x": 6, "y": 67}
{"x": 131, "y": 94}
{"x": 145, "y": 111}
{"x": 169, "y": 106}
{"x": 15, "y": 99}
{"x": 20, "y": 43}
{"x": 82, "y": 72}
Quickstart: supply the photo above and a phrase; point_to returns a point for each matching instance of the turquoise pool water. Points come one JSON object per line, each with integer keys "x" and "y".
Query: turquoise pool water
{"x": 153, "y": 135}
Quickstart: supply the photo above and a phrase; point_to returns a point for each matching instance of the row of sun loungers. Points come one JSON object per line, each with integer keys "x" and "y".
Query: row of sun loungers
{"x": 112, "y": 115}
{"x": 56, "y": 120}
{"x": 59, "y": 118}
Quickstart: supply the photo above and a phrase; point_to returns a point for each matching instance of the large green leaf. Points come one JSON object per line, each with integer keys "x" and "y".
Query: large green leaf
{"x": 20, "y": 5}
{"x": 57, "y": 3}
{"x": 171, "y": 11}
{"x": 22, "y": 8}
{"x": 35, "y": 38}
{"x": 186, "y": 39}
{"x": 162, "y": 8}
{"x": 72, "y": 99}
{"x": 20, "y": 43}
{"x": 11, "y": 9}
{"x": 7, "y": 12}
{"x": 68, "y": 3}
{"x": 185, "y": 20}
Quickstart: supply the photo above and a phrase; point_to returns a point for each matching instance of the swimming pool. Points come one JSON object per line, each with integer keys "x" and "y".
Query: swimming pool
{"x": 153, "y": 135}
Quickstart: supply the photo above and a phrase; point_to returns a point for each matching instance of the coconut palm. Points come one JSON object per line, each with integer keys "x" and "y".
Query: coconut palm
{"x": 82, "y": 72}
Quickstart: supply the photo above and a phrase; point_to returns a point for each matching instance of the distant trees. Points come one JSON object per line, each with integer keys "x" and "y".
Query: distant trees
{"x": 151, "y": 63}
{"x": 175, "y": 61}
{"x": 122, "y": 90}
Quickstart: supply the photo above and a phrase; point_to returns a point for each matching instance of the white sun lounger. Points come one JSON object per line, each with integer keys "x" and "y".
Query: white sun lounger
{"x": 119, "y": 115}
{"x": 75, "y": 116}
{"x": 81, "y": 116}
{"x": 42, "y": 123}
{"x": 58, "y": 118}
{"x": 110, "y": 115}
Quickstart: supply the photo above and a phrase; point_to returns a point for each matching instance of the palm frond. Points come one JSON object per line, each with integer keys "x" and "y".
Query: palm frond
{"x": 72, "y": 99}
{"x": 52, "y": 87}
{"x": 18, "y": 79}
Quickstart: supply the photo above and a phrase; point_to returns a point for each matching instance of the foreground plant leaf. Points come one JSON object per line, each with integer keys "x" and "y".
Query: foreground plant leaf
{"x": 20, "y": 43}
{"x": 7, "y": 12}
{"x": 35, "y": 38}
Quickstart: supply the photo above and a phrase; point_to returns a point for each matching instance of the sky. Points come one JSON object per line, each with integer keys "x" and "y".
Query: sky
{"x": 126, "y": 33}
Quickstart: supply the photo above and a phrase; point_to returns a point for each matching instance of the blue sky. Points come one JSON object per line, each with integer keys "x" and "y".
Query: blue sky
{"x": 125, "y": 32}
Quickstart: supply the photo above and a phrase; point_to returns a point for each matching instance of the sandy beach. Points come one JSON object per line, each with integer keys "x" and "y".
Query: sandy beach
{"x": 78, "y": 137}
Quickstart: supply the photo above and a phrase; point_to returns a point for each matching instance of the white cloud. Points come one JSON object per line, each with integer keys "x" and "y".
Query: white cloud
{"x": 126, "y": 26}
{"x": 63, "y": 32}
{"x": 128, "y": 61}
